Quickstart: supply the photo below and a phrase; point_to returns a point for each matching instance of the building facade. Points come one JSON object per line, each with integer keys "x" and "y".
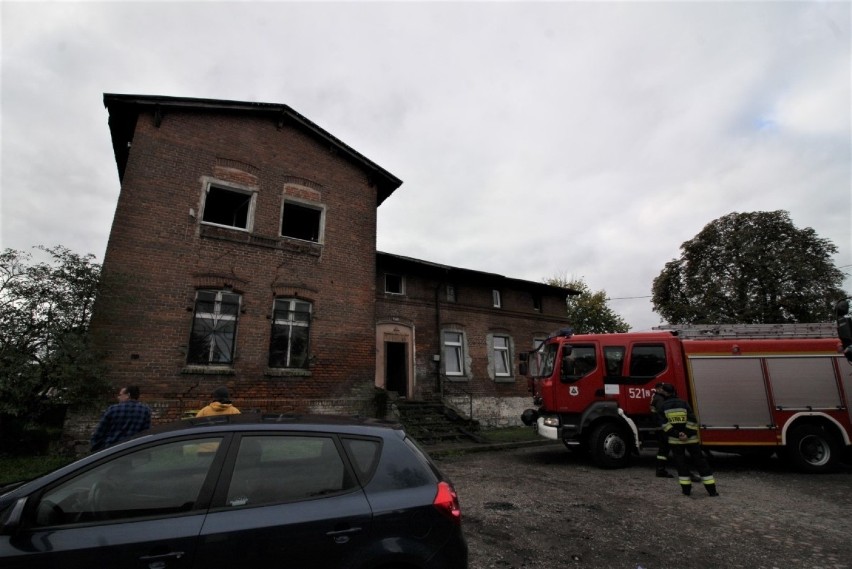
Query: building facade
{"x": 243, "y": 253}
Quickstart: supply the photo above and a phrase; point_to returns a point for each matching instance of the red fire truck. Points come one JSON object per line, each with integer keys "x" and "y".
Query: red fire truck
{"x": 754, "y": 388}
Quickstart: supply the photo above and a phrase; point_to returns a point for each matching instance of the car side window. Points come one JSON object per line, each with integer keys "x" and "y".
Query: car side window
{"x": 154, "y": 481}
{"x": 364, "y": 454}
{"x": 285, "y": 468}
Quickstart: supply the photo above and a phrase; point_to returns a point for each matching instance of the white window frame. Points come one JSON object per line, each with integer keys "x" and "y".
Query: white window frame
{"x": 496, "y": 299}
{"x": 451, "y": 293}
{"x": 290, "y": 323}
{"x": 209, "y": 184}
{"x": 502, "y": 354}
{"x": 307, "y": 205}
{"x": 401, "y": 290}
{"x": 216, "y": 317}
{"x": 454, "y": 347}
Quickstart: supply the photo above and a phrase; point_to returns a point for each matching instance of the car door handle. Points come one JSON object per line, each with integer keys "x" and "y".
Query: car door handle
{"x": 342, "y": 536}
{"x": 343, "y": 532}
{"x": 163, "y": 557}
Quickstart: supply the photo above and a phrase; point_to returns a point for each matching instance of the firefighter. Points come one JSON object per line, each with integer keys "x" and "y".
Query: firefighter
{"x": 663, "y": 448}
{"x": 682, "y": 430}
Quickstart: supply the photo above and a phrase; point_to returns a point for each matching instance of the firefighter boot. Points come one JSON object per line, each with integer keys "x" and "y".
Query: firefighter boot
{"x": 661, "y": 467}
{"x": 685, "y": 485}
{"x": 711, "y": 490}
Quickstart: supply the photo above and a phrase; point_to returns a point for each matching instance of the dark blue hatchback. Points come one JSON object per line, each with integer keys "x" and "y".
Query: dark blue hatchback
{"x": 241, "y": 491}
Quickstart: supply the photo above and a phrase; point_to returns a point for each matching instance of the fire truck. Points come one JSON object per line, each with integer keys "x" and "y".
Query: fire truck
{"x": 755, "y": 389}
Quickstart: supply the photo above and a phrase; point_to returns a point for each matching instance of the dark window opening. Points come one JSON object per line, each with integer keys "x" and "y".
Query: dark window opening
{"x": 301, "y": 222}
{"x": 227, "y": 207}
{"x": 394, "y": 284}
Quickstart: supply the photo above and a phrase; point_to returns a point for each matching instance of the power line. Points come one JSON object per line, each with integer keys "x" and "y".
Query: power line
{"x": 629, "y": 297}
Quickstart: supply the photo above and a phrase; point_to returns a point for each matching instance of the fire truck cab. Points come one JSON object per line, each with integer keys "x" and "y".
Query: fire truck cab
{"x": 755, "y": 389}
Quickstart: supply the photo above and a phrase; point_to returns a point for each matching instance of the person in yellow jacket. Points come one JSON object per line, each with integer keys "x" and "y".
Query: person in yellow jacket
{"x": 221, "y": 404}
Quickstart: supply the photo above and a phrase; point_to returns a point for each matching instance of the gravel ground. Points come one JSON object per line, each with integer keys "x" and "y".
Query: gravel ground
{"x": 544, "y": 507}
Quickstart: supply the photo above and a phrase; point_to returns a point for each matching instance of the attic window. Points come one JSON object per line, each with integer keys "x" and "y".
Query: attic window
{"x": 228, "y": 207}
{"x": 302, "y": 221}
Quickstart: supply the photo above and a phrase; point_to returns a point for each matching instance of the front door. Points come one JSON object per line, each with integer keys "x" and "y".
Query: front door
{"x": 395, "y": 354}
{"x": 396, "y": 367}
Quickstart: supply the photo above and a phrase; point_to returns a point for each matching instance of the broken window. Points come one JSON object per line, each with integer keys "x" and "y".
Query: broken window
{"x": 394, "y": 284}
{"x": 302, "y": 221}
{"x": 228, "y": 207}
{"x": 291, "y": 326}
{"x": 214, "y": 328}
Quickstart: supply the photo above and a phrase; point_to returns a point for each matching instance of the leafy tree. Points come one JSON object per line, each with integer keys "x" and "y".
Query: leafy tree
{"x": 45, "y": 308}
{"x": 587, "y": 311}
{"x": 750, "y": 268}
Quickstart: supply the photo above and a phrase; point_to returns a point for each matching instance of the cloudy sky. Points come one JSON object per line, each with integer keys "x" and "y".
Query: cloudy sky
{"x": 534, "y": 139}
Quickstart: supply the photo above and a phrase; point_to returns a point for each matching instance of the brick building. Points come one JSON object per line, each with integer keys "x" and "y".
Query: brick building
{"x": 243, "y": 253}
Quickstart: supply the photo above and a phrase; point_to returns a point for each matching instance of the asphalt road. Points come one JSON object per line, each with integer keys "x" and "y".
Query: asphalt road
{"x": 544, "y": 507}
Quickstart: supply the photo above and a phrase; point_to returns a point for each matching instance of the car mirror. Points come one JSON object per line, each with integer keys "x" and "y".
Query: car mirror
{"x": 12, "y": 521}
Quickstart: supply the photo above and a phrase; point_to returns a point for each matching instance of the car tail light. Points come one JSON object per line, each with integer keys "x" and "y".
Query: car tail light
{"x": 447, "y": 502}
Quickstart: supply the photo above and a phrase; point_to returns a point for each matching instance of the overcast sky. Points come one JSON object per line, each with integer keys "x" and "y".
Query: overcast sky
{"x": 579, "y": 139}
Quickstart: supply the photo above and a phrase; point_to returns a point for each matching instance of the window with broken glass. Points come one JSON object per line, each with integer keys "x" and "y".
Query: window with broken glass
{"x": 291, "y": 326}
{"x": 214, "y": 328}
{"x": 301, "y": 221}
{"x": 228, "y": 207}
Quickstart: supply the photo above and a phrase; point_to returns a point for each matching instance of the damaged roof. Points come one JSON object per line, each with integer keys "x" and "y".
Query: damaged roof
{"x": 125, "y": 109}
{"x": 390, "y": 260}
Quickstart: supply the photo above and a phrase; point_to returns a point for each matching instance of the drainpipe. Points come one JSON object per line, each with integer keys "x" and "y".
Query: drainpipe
{"x": 438, "y": 383}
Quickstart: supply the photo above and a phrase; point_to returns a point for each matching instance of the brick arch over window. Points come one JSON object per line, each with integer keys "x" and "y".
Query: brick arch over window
{"x": 215, "y": 281}
{"x": 294, "y": 291}
{"x": 302, "y": 189}
{"x": 237, "y": 172}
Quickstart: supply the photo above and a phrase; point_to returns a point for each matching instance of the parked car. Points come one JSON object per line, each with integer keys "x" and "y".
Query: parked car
{"x": 241, "y": 491}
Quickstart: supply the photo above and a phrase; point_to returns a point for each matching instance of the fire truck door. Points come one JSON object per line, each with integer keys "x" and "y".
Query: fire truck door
{"x": 647, "y": 365}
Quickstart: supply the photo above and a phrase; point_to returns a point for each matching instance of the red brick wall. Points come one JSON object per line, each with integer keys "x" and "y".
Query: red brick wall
{"x": 159, "y": 254}
{"x": 472, "y": 313}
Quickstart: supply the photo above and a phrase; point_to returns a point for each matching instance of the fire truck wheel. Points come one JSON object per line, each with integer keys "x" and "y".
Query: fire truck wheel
{"x": 610, "y": 446}
{"x": 811, "y": 449}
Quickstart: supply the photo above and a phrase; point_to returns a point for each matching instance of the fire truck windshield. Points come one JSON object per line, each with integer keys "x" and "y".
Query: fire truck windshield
{"x": 543, "y": 360}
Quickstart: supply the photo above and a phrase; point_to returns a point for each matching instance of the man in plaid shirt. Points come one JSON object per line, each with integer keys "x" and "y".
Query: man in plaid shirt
{"x": 123, "y": 420}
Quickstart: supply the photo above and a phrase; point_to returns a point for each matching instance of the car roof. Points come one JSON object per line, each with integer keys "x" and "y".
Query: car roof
{"x": 280, "y": 422}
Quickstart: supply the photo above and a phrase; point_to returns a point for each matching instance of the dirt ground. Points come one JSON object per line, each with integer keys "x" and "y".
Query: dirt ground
{"x": 544, "y": 507}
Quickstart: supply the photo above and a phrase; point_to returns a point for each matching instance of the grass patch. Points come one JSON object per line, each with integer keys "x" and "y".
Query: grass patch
{"x": 15, "y": 468}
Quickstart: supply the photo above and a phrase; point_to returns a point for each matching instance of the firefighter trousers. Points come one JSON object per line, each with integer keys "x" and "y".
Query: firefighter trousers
{"x": 679, "y": 452}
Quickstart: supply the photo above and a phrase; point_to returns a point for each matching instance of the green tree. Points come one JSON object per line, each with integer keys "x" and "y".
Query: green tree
{"x": 45, "y": 309}
{"x": 588, "y": 312}
{"x": 750, "y": 268}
